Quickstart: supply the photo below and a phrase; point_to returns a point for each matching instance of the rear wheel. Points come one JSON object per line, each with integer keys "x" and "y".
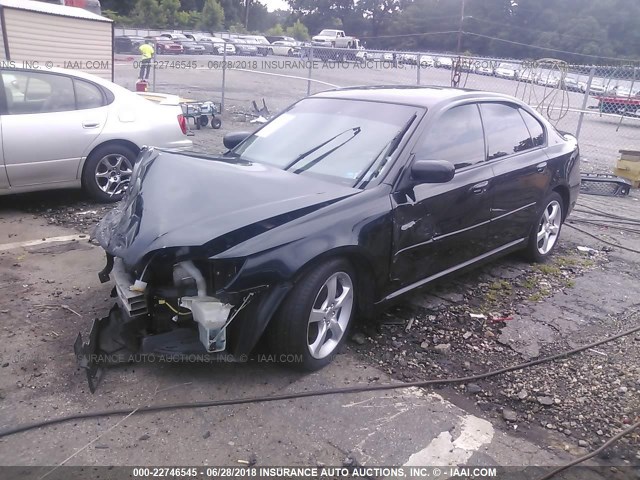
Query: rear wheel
{"x": 107, "y": 172}
{"x": 544, "y": 236}
{"x": 312, "y": 323}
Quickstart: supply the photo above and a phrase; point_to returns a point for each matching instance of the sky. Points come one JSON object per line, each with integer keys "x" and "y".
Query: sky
{"x": 275, "y": 4}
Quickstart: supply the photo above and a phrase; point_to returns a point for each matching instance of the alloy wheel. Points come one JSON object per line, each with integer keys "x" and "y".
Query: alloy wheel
{"x": 549, "y": 227}
{"x": 330, "y": 315}
{"x": 113, "y": 173}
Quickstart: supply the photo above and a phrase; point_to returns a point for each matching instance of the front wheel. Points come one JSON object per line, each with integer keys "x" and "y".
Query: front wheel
{"x": 312, "y": 322}
{"x": 544, "y": 236}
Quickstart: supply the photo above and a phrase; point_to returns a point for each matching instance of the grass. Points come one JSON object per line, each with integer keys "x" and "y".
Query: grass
{"x": 548, "y": 269}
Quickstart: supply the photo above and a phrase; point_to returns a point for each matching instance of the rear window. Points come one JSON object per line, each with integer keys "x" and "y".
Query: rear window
{"x": 505, "y": 130}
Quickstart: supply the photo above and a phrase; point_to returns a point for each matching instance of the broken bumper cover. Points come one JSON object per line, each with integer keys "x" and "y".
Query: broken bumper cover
{"x": 87, "y": 355}
{"x": 604, "y": 184}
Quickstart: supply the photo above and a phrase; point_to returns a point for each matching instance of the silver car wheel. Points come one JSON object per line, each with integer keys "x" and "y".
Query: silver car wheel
{"x": 549, "y": 227}
{"x": 113, "y": 173}
{"x": 330, "y": 315}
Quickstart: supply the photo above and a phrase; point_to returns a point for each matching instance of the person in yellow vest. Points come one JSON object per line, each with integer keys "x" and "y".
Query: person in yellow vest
{"x": 147, "y": 51}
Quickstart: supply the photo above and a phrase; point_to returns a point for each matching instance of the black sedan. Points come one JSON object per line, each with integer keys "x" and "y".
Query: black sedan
{"x": 347, "y": 200}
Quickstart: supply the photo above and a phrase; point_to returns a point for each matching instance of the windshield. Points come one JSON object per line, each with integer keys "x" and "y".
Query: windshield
{"x": 344, "y": 141}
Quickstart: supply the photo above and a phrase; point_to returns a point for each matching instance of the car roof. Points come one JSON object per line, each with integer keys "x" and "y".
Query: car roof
{"x": 426, "y": 96}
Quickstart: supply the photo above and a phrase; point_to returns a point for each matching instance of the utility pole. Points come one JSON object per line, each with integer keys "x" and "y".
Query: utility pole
{"x": 246, "y": 14}
{"x": 460, "y": 25}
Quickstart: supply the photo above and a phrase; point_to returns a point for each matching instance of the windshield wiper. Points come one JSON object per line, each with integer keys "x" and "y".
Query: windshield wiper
{"x": 385, "y": 153}
{"x": 302, "y": 156}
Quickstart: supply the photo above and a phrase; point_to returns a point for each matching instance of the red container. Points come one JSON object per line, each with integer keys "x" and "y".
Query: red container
{"x": 142, "y": 86}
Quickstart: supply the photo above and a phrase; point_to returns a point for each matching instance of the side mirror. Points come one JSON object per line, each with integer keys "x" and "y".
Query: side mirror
{"x": 432, "y": 171}
{"x": 231, "y": 140}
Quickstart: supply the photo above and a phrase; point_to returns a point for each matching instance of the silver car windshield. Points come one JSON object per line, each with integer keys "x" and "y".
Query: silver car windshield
{"x": 338, "y": 140}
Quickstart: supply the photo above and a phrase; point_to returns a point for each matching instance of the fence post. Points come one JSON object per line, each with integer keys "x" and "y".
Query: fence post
{"x": 418, "y": 62}
{"x": 310, "y": 60}
{"x": 153, "y": 59}
{"x": 224, "y": 76}
{"x": 585, "y": 99}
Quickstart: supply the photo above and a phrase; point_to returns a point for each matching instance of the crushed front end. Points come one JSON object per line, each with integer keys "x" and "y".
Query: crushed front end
{"x": 171, "y": 300}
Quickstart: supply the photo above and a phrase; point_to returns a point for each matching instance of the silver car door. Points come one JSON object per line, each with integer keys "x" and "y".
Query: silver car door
{"x": 45, "y": 135}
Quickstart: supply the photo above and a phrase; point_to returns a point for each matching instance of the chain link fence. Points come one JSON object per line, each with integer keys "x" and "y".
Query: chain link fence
{"x": 598, "y": 104}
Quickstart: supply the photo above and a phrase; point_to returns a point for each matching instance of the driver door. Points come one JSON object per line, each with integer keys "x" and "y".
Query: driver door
{"x": 439, "y": 228}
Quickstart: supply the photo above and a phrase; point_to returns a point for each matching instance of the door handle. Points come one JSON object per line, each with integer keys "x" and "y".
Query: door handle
{"x": 479, "y": 188}
{"x": 541, "y": 166}
{"x": 90, "y": 124}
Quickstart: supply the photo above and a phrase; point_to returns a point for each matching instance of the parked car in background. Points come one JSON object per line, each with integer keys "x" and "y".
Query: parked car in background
{"x": 89, "y": 132}
{"x": 386, "y": 57}
{"x": 412, "y": 59}
{"x": 506, "y": 70}
{"x": 378, "y": 191}
{"x": 549, "y": 79}
{"x": 127, "y": 43}
{"x": 572, "y": 84}
{"x": 174, "y": 36}
{"x": 444, "y": 62}
{"x": 597, "y": 88}
{"x": 243, "y": 47}
{"x": 485, "y": 67}
{"x": 626, "y": 92}
{"x": 408, "y": 58}
{"x": 288, "y": 49}
{"x": 193, "y": 48}
{"x": 281, "y": 38}
{"x": 165, "y": 46}
{"x": 261, "y": 43}
{"x": 528, "y": 75}
{"x": 218, "y": 45}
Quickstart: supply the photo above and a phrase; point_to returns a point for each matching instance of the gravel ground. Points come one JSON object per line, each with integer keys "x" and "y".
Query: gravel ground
{"x": 456, "y": 330}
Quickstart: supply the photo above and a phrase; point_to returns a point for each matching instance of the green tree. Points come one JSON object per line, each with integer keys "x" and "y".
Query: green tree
{"x": 189, "y": 19}
{"x": 170, "y": 10}
{"x": 212, "y": 15}
{"x": 276, "y": 30}
{"x": 298, "y": 31}
{"x": 148, "y": 13}
{"x": 119, "y": 20}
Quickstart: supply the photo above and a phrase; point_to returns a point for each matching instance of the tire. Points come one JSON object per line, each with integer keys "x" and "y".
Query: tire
{"x": 546, "y": 231}
{"x": 216, "y": 123}
{"x": 106, "y": 171}
{"x": 203, "y": 120}
{"x": 309, "y": 328}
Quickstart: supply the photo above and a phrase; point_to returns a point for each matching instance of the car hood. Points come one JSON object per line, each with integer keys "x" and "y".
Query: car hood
{"x": 180, "y": 200}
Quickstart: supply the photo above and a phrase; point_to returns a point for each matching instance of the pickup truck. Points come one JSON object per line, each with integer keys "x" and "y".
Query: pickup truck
{"x": 333, "y": 38}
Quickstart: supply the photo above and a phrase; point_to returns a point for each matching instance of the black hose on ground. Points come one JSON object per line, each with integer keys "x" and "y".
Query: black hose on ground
{"x": 589, "y": 455}
{"x": 601, "y": 239}
{"x": 313, "y": 393}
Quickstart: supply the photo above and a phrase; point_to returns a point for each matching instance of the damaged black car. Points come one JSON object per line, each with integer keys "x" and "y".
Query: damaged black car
{"x": 345, "y": 201}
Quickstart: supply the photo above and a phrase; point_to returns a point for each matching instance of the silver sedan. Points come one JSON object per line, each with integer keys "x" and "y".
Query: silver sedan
{"x": 64, "y": 129}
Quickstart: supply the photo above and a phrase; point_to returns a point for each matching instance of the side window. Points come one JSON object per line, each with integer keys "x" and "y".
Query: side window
{"x": 30, "y": 92}
{"x": 535, "y": 129}
{"x": 88, "y": 95}
{"x": 456, "y": 136}
{"x": 506, "y": 131}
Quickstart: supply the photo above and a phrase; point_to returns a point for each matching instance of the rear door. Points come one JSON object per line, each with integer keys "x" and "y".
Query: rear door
{"x": 4, "y": 180}
{"x": 439, "y": 227}
{"x": 515, "y": 143}
{"x": 49, "y": 124}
